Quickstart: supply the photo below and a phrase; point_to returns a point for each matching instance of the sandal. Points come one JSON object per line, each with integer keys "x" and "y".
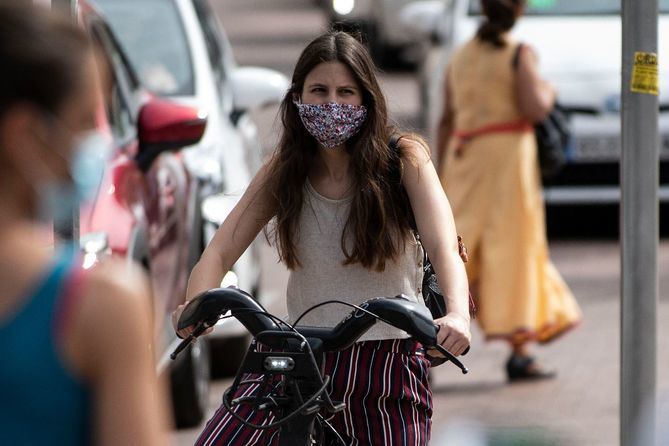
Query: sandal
{"x": 525, "y": 368}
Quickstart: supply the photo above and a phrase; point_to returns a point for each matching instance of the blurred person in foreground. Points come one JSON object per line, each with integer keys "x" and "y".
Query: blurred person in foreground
{"x": 342, "y": 223}
{"x": 76, "y": 368}
{"x": 488, "y": 167}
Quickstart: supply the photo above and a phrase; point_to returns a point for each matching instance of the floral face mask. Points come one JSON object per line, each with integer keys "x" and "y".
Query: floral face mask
{"x": 332, "y": 123}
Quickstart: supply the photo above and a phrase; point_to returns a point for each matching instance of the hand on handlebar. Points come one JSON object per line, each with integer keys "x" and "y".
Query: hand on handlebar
{"x": 454, "y": 334}
{"x": 184, "y": 333}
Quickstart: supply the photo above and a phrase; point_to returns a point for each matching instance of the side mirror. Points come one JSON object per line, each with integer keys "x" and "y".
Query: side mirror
{"x": 163, "y": 125}
{"x": 423, "y": 18}
{"x": 255, "y": 87}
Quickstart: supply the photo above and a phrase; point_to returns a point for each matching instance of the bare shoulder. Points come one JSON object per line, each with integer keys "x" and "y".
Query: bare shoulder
{"x": 117, "y": 278}
{"x": 112, "y": 315}
{"x": 115, "y": 293}
{"x": 414, "y": 150}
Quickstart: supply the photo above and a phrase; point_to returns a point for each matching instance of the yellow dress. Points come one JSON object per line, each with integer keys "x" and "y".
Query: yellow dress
{"x": 494, "y": 186}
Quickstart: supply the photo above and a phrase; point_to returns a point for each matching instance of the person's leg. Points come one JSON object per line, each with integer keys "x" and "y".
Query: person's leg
{"x": 521, "y": 365}
{"x": 385, "y": 387}
{"x": 224, "y": 429}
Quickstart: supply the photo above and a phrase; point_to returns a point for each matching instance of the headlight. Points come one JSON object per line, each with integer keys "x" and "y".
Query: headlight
{"x": 279, "y": 364}
{"x": 343, "y": 7}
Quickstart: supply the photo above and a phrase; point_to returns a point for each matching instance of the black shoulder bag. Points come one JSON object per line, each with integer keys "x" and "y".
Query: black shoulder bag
{"x": 553, "y": 136}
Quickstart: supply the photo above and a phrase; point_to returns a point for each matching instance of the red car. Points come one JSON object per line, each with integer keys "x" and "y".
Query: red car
{"x": 146, "y": 209}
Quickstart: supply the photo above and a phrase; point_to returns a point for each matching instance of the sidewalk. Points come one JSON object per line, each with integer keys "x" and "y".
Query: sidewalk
{"x": 581, "y": 406}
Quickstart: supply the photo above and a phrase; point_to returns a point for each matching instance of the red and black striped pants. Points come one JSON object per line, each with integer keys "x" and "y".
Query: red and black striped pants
{"x": 384, "y": 385}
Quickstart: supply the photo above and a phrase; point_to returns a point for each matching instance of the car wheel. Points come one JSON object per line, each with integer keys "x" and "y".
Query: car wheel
{"x": 198, "y": 241}
{"x": 189, "y": 380}
{"x": 227, "y": 355}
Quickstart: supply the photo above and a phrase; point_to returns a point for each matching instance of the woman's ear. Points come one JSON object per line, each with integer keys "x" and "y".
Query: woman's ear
{"x": 296, "y": 97}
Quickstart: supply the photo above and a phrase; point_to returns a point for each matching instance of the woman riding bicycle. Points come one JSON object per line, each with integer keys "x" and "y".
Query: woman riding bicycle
{"x": 341, "y": 229}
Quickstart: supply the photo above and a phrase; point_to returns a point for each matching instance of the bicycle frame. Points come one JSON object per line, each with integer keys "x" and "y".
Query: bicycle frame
{"x": 298, "y": 353}
{"x": 303, "y": 381}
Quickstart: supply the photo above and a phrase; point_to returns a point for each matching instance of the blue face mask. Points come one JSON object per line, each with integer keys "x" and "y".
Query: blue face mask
{"x": 59, "y": 199}
{"x": 88, "y": 164}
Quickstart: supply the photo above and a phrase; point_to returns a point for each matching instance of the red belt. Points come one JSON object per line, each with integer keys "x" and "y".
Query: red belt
{"x": 465, "y": 136}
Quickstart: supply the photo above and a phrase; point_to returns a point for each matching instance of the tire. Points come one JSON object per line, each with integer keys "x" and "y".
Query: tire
{"x": 227, "y": 355}
{"x": 197, "y": 243}
{"x": 189, "y": 381}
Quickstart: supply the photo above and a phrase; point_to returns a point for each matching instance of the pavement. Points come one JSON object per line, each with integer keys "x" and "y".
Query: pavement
{"x": 579, "y": 407}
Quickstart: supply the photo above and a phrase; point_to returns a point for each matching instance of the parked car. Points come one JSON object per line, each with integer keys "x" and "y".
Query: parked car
{"x": 146, "y": 206}
{"x": 181, "y": 52}
{"x": 579, "y": 47}
{"x": 378, "y": 21}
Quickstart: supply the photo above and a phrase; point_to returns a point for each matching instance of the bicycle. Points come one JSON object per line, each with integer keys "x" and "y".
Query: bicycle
{"x": 293, "y": 382}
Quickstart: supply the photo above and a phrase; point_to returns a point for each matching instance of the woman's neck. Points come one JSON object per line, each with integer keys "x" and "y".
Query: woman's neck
{"x": 331, "y": 174}
{"x": 332, "y": 165}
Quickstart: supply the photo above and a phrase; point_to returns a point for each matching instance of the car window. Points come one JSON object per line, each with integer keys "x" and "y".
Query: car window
{"x": 121, "y": 88}
{"x": 152, "y": 34}
{"x": 211, "y": 32}
{"x": 569, "y": 7}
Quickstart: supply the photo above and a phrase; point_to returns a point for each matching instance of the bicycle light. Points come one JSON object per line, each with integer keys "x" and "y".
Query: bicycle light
{"x": 279, "y": 364}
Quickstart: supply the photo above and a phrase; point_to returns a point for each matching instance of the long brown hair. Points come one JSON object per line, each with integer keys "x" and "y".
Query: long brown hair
{"x": 376, "y": 226}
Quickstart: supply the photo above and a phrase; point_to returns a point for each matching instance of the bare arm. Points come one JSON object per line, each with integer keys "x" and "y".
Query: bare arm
{"x": 111, "y": 345}
{"x": 437, "y": 229}
{"x": 535, "y": 96}
{"x": 445, "y": 124}
{"x": 236, "y": 233}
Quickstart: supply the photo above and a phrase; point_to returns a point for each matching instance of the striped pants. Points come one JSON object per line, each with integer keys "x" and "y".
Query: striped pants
{"x": 384, "y": 385}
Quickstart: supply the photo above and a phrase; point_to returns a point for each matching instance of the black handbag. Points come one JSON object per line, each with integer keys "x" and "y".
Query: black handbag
{"x": 553, "y": 139}
{"x": 430, "y": 289}
{"x": 553, "y": 136}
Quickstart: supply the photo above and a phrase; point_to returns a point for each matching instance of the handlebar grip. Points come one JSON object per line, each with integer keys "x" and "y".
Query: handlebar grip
{"x": 199, "y": 329}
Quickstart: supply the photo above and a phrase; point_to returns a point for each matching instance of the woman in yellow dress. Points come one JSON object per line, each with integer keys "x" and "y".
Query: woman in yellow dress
{"x": 488, "y": 167}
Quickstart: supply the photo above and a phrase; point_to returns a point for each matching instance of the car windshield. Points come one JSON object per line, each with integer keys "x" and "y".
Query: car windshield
{"x": 153, "y": 37}
{"x": 568, "y": 7}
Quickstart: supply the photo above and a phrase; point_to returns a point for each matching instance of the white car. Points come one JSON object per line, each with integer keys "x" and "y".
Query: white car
{"x": 179, "y": 50}
{"x": 579, "y": 47}
{"x": 378, "y": 20}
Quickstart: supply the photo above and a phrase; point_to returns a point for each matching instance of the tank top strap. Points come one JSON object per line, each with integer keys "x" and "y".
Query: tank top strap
{"x": 71, "y": 283}
{"x": 40, "y": 302}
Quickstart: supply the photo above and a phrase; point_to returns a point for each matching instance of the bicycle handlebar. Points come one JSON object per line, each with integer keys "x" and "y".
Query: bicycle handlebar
{"x": 209, "y": 306}
{"x": 413, "y": 318}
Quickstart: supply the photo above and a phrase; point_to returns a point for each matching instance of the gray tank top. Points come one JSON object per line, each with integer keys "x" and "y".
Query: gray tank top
{"x": 322, "y": 275}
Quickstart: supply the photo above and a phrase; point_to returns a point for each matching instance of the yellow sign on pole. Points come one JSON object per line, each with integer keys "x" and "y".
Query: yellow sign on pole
{"x": 644, "y": 74}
